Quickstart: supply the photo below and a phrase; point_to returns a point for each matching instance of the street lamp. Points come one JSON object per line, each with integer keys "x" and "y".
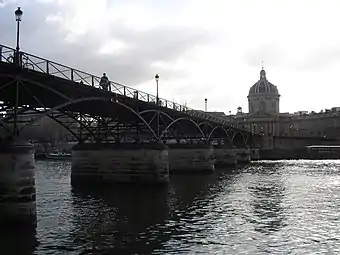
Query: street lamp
{"x": 157, "y": 102}
{"x": 18, "y": 15}
{"x": 206, "y": 104}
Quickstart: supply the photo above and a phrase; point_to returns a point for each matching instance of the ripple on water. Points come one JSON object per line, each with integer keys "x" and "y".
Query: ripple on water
{"x": 268, "y": 207}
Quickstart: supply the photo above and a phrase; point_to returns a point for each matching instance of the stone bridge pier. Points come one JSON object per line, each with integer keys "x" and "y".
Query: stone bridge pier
{"x": 122, "y": 163}
{"x": 243, "y": 155}
{"x": 225, "y": 156}
{"x": 17, "y": 183}
{"x": 191, "y": 158}
{"x": 254, "y": 154}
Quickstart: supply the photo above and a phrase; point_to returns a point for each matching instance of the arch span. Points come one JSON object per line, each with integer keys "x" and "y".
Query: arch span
{"x": 75, "y": 101}
{"x": 155, "y": 115}
{"x": 152, "y": 110}
{"x": 70, "y": 101}
{"x": 60, "y": 122}
{"x": 239, "y": 133}
{"x": 219, "y": 127}
{"x": 183, "y": 119}
{"x": 206, "y": 123}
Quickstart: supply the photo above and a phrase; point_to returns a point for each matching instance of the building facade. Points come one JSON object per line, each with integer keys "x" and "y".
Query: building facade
{"x": 285, "y": 130}
{"x": 263, "y": 98}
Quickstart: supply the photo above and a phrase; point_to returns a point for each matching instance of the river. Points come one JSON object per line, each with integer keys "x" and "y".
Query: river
{"x": 267, "y": 207}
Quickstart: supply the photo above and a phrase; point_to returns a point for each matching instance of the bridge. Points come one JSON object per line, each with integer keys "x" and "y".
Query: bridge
{"x": 123, "y": 134}
{"x": 47, "y": 87}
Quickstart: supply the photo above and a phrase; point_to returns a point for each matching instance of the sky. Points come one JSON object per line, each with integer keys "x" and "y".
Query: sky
{"x": 200, "y": 48}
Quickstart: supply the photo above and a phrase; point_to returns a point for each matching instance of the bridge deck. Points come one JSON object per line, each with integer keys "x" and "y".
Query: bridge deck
{"x": 55, "y": 87}
{"x": 53, "y": 70}
{"x": 42, "y": 90}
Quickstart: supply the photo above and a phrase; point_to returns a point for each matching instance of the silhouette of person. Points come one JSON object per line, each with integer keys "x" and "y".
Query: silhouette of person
{"x": 104, "y": 82}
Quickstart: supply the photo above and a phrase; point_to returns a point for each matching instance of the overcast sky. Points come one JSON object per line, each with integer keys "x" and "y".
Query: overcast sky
{"x": 200, "y": 48}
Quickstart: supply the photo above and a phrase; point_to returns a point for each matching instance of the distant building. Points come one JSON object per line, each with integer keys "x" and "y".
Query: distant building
{"x": 284, "y": 130}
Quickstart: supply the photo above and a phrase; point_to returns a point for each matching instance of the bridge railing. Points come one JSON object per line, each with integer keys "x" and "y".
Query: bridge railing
{"x": 6, "y": 54}
{"x": 42, "y": 65}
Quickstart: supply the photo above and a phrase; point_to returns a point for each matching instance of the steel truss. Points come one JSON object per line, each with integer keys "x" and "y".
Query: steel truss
{"x": 191, "y": 126}
{"x": 94, "y": 129}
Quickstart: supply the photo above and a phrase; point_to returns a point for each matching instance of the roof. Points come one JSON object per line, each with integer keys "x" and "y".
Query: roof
{"x": 263, "y": 86}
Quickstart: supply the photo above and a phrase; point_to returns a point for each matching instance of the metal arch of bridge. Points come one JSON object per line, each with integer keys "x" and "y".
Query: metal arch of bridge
{"x": 173, "y": 121}
{"x": 69, "y": 101}
{"x": 206, "y": 136}
{"x": 55, "y": 118}
{"x": 155, "y": 115}
{"x": 183, "y": 119}
{"x": 230, "y": 134}
{"x": 50, "y": 114}
{"x": 42, "y": 113}
{"x": 31, "y": 62}
{"x": 222, "y": 128}
{"x": 35, "y": 63}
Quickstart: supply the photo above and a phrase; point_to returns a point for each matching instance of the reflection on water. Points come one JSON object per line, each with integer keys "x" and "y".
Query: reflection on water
{"x": 264, "y": 208}
{"x": 137, "y": 219}
{"x": 111, "y": 219}
{"x": 268, "y": 213}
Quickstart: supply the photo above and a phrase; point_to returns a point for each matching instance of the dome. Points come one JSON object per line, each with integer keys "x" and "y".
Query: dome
{"x": 263, "y": 86}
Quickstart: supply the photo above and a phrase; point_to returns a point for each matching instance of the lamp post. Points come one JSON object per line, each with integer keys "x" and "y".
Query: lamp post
{"x": 205, "y": 104}
{"x": 18, "y": 14}
{"x": 157, "y": 101}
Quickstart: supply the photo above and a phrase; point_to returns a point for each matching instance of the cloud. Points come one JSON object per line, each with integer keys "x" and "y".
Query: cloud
{"x": 200, "y": 48}
{"x": 126, "y": 54}
{"x": 138, "y": 51}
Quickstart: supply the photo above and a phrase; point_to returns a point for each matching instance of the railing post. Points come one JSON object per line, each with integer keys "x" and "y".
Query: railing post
{"x": 71, "y": 74}
{"x": 148, "y": 98}
{"x": 47, "y": 67}
{"x": 20, "y": 59}
{"x": 124, "y": 91}
{"x": 92, "y": 80}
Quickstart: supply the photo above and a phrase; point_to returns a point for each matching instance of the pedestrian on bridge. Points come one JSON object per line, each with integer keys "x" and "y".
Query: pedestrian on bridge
{"x": 104, "y": 82}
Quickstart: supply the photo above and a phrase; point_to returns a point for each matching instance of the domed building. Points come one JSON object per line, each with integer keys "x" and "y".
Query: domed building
{"x": 264, "y": 108}
{"x": 284, "y": 132}
{"x": 263, "y": 98}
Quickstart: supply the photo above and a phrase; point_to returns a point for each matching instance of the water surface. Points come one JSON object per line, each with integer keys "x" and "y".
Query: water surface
{"x": 268, "y": 207}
